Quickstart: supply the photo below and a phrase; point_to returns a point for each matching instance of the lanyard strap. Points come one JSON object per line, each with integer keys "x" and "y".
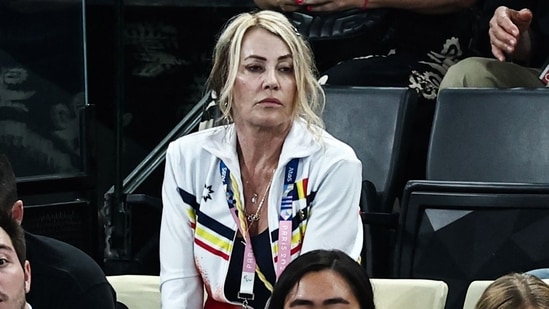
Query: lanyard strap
{"x": 249, "y": 264}
{"x": 285, "y": 219}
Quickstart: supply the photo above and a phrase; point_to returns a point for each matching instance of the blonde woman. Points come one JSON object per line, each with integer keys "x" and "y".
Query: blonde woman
{"x": 243, "y": 199}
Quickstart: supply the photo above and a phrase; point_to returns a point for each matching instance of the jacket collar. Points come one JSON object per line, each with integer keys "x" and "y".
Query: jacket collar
{"x": 300, "y": 142}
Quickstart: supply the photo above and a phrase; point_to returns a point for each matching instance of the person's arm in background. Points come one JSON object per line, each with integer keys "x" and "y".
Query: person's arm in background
{"x": 510, "y": 34}
{"x": 419, "y": 6}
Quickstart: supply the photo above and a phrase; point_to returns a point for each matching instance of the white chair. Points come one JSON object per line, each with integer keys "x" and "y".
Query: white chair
{"x": 142, "y": 292}
{"x": 409, "y": 293}
{"x": 137, "y": 291}
{"x": 475, "y": 290}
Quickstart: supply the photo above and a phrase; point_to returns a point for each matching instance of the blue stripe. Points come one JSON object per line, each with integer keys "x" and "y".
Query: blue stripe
{"x": 215, "y": 226}
{"x": 311, "y": 197}
{"x": 188, "y": 199}
{"x": 204, "y": 219}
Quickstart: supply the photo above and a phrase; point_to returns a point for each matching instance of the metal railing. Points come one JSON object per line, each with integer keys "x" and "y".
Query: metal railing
{"x": 117, "y": 214}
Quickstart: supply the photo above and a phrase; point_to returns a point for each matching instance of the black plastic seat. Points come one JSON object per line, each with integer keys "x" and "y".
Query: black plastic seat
{"x": 484, "y": 209}
{"x": 490, "y": 135}
{"x": 375, "y": 121}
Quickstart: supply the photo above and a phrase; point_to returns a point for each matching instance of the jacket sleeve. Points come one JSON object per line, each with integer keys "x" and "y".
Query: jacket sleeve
{"x": 334, "y": 221}
{"x": 180, "y": 283}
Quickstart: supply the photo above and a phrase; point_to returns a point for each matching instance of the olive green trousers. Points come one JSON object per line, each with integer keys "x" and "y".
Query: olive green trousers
{"x": 480, "y": 72}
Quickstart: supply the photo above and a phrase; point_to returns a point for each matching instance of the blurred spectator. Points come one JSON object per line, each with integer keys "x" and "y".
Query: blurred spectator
{"x": 63, "y": 276}
{"x": 15, "y": 272}
{"x": 515, "y": 291}
{"x": 427, "y": 37}
{"x": 519, "y": 41}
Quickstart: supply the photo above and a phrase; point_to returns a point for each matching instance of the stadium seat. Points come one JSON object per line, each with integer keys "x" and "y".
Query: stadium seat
{"x": 375, "y": 122}
{"x": 137, "y": 291}
{"x": 142, "y": 292}
{"x": 484, "y": 208}
{"x": 409, "y": 293}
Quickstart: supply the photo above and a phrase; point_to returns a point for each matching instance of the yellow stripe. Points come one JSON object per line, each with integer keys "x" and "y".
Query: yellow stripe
{"x": 213, "y": 240}
{"x": 191, "y": 214}
{"x": 301, "y": 194}
{"x": 239, "y": 207}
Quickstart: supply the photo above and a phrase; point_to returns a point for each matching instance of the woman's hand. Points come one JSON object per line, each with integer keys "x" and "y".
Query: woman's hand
{"x": 509, "y": 33}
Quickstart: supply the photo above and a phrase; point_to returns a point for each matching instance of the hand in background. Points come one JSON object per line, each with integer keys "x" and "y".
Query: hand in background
{"x": 509, "y": 33}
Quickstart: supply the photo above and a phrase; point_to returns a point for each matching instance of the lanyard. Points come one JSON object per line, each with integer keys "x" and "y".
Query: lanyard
{"x": 286, "y": 216}
{"x": 249, "y": 265}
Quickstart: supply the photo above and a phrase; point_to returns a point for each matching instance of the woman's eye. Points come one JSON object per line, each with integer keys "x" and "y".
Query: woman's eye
{"x": 254, "y": 68}
{"x": 3, "y": 261}
{"x": 286, "y": 69}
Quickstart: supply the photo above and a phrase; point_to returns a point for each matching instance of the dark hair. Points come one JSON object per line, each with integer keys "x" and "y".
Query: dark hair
{"x": 317, "y": 260}
{"x": 8, "y": 185}
{"x": 16, "y": 234}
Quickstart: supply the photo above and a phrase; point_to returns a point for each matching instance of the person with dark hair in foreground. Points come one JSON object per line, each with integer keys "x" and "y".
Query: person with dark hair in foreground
{"x": 322, "y": 277}
{"x": 63, "y": 276}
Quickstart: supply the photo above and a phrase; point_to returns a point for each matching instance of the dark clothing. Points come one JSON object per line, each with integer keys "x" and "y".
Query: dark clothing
{"x": 422, "y": 49}
{"x": 64, "y": 277}
{"x": 261, "y": 245}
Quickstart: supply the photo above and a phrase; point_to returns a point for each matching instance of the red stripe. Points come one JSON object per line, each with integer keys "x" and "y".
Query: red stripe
{"x": 211, "y": 250}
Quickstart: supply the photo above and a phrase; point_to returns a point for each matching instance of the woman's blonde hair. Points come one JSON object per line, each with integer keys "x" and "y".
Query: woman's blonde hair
{"x": 310, "y": 98}
{"x": 515, "y": 291}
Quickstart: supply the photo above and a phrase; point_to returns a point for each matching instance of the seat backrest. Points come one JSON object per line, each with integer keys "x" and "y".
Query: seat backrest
{"x": 475, "y": 290}
{"x": 142, "y": 292}
{"x": 137, "y": 291}
{"x": 409, "y": 293}
{"x": 484, "y": 209}
{"x": 497, "y": 135}
{"x": 374, "y": 121}
{"x": 460, "y": 232}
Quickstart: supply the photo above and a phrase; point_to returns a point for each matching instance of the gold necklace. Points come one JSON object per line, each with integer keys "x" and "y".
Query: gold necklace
{"x": 254, "y": 217}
